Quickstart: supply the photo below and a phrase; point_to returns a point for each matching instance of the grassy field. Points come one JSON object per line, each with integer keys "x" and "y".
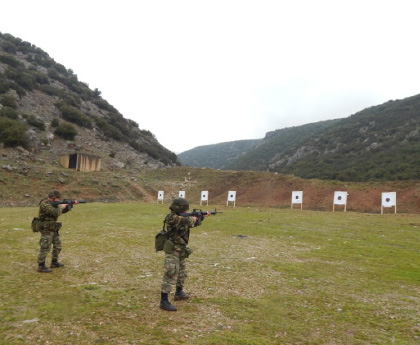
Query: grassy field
{"x": 257, "y": 276}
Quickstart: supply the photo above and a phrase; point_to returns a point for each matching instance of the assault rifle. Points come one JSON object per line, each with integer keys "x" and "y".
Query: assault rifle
{"x": 68, "y": 202}
{"x": 199, "y": 214}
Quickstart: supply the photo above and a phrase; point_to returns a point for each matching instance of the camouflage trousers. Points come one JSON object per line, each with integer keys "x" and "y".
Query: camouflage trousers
{"x": 175, "y": 271}
{"x": 49, "y": 238}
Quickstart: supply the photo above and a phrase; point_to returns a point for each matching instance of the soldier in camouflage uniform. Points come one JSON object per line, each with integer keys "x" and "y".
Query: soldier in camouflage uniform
{"x": 49, "y": 233}
{"x": 176, "y": 251}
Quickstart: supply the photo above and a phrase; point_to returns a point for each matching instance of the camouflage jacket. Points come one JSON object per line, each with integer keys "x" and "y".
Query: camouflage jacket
{"x": 47, "y": 212}
{"x": 179, "y": 228}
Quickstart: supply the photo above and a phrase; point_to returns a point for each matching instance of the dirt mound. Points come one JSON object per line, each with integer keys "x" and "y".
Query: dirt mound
{"x": 261, "y": 189}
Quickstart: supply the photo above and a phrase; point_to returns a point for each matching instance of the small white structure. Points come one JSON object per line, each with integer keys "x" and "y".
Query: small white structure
{"x": 231, "y": 198}
{"x": 389, "y": 199}
{"x": 297, "y": 198}
{"x": 181, "y": 194}
{"x": 340, "y": 198}
{"x": 160, "y": 197}
{"x": 204, "y": 197}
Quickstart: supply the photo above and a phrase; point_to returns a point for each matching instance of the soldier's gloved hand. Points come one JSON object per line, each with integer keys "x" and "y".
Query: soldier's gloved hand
{"x": 66, "y": 207}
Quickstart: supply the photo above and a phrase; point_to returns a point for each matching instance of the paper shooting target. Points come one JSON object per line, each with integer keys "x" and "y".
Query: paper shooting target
{"x": 297, "y": 197}
{"x": 389, "y": 199}
{"x": 340, "y": 198}
{"x": 204, "y": 196}
{"x": 231, "y": 196}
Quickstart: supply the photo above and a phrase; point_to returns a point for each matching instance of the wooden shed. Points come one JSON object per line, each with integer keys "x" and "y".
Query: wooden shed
{"x": 81, "y": 162}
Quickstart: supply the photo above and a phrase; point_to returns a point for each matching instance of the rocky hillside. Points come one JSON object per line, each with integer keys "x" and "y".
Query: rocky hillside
{"x": 380, "y": 143}
{"x": 45, "y": 111}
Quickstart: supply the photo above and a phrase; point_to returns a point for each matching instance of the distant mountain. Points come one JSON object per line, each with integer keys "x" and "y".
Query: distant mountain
{"x": 43, "y": 105}
{"x": 217, "y": 156}
{"x": 376, "y": 144}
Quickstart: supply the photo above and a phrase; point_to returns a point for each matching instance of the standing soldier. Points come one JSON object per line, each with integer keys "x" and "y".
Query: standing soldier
{"x": 176, "y": 251}
{"x": 48, "y": 215}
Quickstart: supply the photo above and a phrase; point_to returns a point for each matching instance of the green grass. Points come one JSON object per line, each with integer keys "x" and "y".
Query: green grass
{"x": 257, "y": 276}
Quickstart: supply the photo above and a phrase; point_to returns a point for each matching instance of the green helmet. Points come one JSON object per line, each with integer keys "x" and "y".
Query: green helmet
{"x": 54, "y": 194}
{"x": 179, "y": 205}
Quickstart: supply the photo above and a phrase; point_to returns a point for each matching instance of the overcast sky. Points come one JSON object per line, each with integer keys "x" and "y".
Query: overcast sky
{"x": 203, "y": 72}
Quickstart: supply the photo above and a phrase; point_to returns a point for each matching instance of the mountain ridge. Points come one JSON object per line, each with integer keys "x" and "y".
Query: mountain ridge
{"x": 378, "y": 143}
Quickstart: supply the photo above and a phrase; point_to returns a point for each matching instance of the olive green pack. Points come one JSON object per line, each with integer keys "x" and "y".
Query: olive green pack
{"x": 36, "y": 225}
{"x": 161, "y": 237}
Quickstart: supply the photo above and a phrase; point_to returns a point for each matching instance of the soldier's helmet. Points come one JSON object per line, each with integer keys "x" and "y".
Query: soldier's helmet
{"x": 54, "y": 194}
{"x": 179, "y": 205}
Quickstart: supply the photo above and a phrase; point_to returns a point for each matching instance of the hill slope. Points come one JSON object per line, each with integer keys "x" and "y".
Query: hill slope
{"x": 217, "y": 156}
{"x": 44, "y": 106}
{"x": 376, "y": 144}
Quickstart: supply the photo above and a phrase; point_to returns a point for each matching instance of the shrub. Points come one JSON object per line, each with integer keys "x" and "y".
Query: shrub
{"x": 34, "y": 122}
{"x": 104, "y": 105}
{"x": 10, "y": 60}
{"x": 21, "y": 77}
{"x": 66, "y": 131}
{"x": 55, "y": 122}
{"x": 8, "y": 112}
{"x": 9, "y": 101}
{"x": 74, "y": 115}
{"x": 12, "y": 132}
{"x": 41, "y": 78}
{"x": 4, "y": 85}
{"x": 8, "y": 47}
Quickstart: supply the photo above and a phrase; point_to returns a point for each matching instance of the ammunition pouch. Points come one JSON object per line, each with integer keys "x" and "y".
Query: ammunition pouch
{"x": 45, "y": 225}
{"x": 36, "y": 225}
{"x": 185, "y": 253}
{"x": 160, "y": 240}
{"x": 168, "y": 246}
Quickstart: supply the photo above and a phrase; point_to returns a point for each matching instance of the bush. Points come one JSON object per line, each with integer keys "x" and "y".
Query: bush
{"x": 21, "y": 77}
{"x": 34, "y": 122}
{"x": 11, "y": 61}
{"x": 9, "y": 101}
{"x": 8, "y": 47}
{"x": 41, "y": 78}
{"x": 12, "y": 132}
{"x": 104, "y": 105}
{"x": 66, "y": 131}
{"x": 74, "y": 115}
{"x": 4, "y": 84}
{"x": 55, "y": 122}
{"x": 9, "y": 113}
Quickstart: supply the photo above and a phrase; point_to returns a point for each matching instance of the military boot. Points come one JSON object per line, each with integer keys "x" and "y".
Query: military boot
{"x": 180, "y": 295}
{"x": 165, "y": 304}
{"x": 43, "y": 269}
{"x": 55, "y": 264}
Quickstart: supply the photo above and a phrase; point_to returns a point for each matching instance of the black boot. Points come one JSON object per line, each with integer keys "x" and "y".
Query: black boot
{"x": 180, "y": 295}
{"x": 165, "y": 304}
{"x": 43, "y": 269}
{"x": 55, "y": 264}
